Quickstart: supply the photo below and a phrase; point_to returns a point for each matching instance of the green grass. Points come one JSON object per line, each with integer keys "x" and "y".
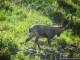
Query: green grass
{"x": 14, "y": 30}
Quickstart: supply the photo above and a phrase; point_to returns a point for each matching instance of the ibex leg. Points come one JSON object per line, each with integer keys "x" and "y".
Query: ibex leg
{"x": 29, "y": 37}
{"x": 49, "y": 42}
{"x": 36, "y": 41}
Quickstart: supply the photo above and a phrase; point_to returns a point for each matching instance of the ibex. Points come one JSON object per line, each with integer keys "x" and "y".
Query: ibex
{"x": 47, "y": 31}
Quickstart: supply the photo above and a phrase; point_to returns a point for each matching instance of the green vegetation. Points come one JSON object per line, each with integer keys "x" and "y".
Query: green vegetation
{"x": 18, "y": 15}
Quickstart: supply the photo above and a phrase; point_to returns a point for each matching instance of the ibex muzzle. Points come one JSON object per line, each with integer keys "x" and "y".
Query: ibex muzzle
{"x": 40, "y": 30}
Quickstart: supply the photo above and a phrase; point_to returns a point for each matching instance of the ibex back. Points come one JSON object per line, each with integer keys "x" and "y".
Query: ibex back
{"x": 40, "y": 30}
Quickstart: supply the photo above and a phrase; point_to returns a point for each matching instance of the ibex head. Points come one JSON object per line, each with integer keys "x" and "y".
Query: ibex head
{"x": 62, "y": 26}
